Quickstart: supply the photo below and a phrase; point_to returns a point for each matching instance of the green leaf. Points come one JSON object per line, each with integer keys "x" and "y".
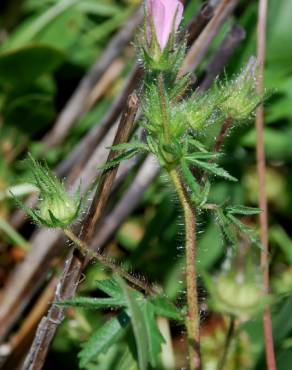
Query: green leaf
{"x": 128, "y": 146}
{"x": 105, "y": 9}
{"x": 20, "y": 113}
{"x": 151, "y": 144}
{"x": 213, "y": 168}
{"x": 18, "y": 191}
{"x": 202, "y": 155}
{"x": 110, "y": 287}
{"x": 13, "y": 235}
{"x": 279, "y": 236}
{"x": 197, "y": 144}
{"x": 101, "y": 340}
{"x": 30, "y": 62}
{"x": 154, "y": 336}
{"x": 93, "y": 303}
{"x": 243, "y": 210}
{"x": 191, "y": 181}
{"x": 29, "y": 30}
{"x": 163, "y": 307}
{"x": 246, "y": 230}
{"x": 205, "y": 193}
{"x": 119, "y": 158}
{"x": 226, "y": 227}
{"x": 69, "y": 24}
{"x": 138, "y": 324}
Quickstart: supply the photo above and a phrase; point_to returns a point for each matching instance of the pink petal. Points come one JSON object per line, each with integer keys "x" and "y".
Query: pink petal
{"x": 166, "y": 15}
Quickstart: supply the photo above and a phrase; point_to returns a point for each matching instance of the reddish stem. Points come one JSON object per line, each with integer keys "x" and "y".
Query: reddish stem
{"x": 261, "y": 169}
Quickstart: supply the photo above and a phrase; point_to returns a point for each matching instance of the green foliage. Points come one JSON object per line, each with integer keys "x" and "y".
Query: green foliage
{"x": 137, "y": 310}
{"x": 30, "y": 62}
{"x": 103, "y": 338}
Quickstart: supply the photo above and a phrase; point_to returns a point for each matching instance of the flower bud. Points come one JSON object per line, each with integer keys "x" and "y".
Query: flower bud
{"x": 58, "y": 212}
{"x": 56, "y": 207}
{"x": 235, "y": 294}
{"x": 239, "y": 298}
{"x": 162, "y": 20}
{"x": 201, "y": 109}
{"x": 241, "y": 97}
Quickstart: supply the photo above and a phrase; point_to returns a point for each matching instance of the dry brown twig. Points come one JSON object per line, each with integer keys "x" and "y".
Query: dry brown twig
{"x": 199, "y": 48}
{"x": 74, "y": 264}
{"x": 20, "y": 342}
{"x": 76, "y": 106}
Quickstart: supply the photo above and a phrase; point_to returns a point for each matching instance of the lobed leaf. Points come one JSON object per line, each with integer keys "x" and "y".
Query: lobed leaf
{"x": 93, "y": 303}
{"x": 243, "y": 210}
{"x": 102, "y": 339}
{"x": 138, "y": 324}
{"x": 119, "y": 158}
{"x": 213, "y": 168}
{"x": 164, "y": 307}
{"x": 154, "y": 337}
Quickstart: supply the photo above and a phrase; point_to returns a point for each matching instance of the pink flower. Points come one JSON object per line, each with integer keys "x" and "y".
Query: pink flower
{"x": 166, "y": 16}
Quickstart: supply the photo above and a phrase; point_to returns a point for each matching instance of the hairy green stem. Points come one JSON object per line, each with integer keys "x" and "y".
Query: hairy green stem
{"x": 107, "y": 262}
{"x": 193, "y": 318}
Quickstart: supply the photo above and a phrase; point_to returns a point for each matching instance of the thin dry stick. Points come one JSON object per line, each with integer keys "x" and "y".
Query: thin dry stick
{"x": 130, "y": 200}
{"x": 107, "y": 178}
{"x": 107, "y": 79}
{"x": 93, "y": 138}
{"x": 198, "y": 23}
{"x": 261, "y": 169}
{"x": 76, "y": 106}
{"x": 21, "y": 340}
{"x": 199, "y": 48}
{"x": 221, "y": 56}
{"x": 75, "y": 262}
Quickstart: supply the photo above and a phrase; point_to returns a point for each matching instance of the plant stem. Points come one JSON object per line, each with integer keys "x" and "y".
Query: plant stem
{"x": 106, "y": 261}
{"x": 228, "y": 340}
{"x": 261, "y": 169}
{"x": 193, "y": 319}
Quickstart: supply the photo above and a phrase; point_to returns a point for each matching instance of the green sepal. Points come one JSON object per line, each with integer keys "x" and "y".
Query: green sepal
{"x": 197, "y": 144}
{"x": 205, "y": 193}
{"x": 191, "y": 182}
{"x": 246, "y": 230}
{"x": 213, "y": 168}
{"x": 239, "y": 209}
{"x": 202, "y": 155}
{"x": 225, "y": 225}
